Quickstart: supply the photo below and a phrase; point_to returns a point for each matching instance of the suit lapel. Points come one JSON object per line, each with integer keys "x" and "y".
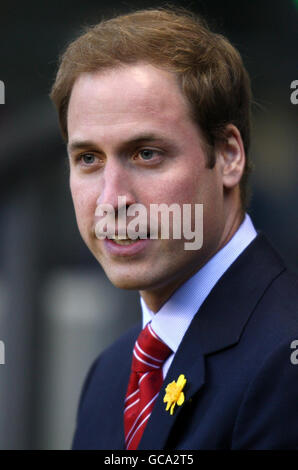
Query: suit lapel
{"x": 112, "y": 435}
{"x": 217, "y": 325}
{"x": 115, "y": 438}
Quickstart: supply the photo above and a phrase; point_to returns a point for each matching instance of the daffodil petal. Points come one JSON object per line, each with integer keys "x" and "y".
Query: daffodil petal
{"x": 170, "y": 385}
{"x": 180, "y": 380}
{"x": 180, "y": 399}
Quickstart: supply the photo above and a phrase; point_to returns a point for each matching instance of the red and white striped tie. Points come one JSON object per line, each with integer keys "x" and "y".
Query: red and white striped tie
{"x": 145, "y": 381}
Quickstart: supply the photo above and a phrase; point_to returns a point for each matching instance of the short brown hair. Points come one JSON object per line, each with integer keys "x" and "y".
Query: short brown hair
{"x": 209, "y": 69}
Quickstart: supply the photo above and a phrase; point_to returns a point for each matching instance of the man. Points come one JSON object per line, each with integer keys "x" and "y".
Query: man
{"x": 155, "y": 109}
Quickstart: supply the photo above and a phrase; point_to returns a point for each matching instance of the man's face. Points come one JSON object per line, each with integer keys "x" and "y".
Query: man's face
{"x": 137, "y": 140}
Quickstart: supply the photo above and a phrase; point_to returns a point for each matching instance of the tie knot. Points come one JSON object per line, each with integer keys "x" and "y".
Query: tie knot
{"x": 149, "y": 352}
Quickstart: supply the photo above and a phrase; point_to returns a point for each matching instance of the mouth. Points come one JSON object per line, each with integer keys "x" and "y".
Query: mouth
{"x": 125, "y": 246}
{"x": 125, "y": 241}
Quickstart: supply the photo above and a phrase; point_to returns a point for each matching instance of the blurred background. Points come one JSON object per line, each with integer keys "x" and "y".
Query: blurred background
{"x": 57, "y": 309}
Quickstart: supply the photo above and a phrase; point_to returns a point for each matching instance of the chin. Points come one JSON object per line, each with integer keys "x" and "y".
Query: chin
{"x": 135, "y": 286}
{"x": 124, "y": 282}
{"x": 138, "y": 282}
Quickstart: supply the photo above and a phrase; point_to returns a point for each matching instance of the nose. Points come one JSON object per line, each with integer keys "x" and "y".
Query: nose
{"x": 116, "y": 182}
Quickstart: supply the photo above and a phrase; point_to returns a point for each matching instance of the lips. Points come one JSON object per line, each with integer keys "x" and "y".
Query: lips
{"x": 125, "y": 247}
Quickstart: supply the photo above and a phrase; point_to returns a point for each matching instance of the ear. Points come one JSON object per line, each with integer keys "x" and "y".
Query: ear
{"x": 231, "y": 156}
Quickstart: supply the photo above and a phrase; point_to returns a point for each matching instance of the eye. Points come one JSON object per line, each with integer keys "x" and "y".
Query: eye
{"x": 87, "y": 158}
{"x": 147, "y": 154}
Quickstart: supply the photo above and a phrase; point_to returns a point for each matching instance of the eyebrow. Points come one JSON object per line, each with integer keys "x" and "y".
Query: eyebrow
{"x": 81, "y": 144}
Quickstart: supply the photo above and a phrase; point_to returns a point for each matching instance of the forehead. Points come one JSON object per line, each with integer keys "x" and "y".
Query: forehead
{"x": 138, "y": 94}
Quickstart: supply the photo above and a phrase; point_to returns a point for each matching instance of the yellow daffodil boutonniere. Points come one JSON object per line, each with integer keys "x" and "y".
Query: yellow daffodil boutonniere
{"x": 174, "y": 394}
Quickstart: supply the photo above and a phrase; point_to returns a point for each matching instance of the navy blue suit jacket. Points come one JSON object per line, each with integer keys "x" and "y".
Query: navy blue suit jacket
{"x": 242, "y": 387}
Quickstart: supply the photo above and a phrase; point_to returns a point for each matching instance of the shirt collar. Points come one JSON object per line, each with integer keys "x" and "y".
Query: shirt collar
{"x": 173, "y": 319}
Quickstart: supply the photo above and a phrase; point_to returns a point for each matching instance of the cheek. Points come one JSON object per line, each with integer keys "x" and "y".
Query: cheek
{"x": 84, "y": 201}
{"x": 179, "y": 189}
